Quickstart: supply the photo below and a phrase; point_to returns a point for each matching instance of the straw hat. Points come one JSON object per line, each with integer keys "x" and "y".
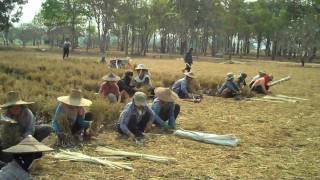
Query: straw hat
{"x": 13, "y": 98}
{"x": 189, "y": 74}
{"x": 140, "y": 99}
{"x": 141, "y": 67}
{"x": 111, "y": 77}
{"x": 230, "y": 76}
{"x": 75, "y": 99}
{"x": 28, "y": 145}
{"x": 165, "y": 94}
{"x": 262, "y": 72}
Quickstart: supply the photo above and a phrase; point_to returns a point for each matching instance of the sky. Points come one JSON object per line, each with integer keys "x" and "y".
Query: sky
{"x": 30, "y": 10}
{"x": 33, "y": 7}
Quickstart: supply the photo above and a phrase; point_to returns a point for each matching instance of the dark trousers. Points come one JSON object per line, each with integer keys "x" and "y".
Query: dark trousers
{"x": 135, "y": 126}
{"x": 188, "y": 67}
{"x": 41, "y": 132}
{"x": 258, "y": 89}
{"x": 65, "y": 52}
{"x": 165, "y": 115}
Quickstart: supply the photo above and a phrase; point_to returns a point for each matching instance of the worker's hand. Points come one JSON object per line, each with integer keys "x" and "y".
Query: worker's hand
{"x": 132, "y": 137}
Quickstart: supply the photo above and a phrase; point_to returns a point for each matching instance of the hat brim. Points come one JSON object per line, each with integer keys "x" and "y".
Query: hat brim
{"x": 79, "y": 102}
{"x": 23, "y": 149}
{"x": 8, "y": 104}
{"x": 172, "y": 98}
{"x": 111, "y": 79}
{"x": 188, "y": 75}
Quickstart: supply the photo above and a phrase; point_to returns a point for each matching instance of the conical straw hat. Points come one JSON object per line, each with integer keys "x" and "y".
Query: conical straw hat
{"x": 75, "y": 99}
{"x": 111, "y": 77}
{"x": 28, "y": 145}
{"x": 13, "y": 98}
{"x": 165, "y": 94}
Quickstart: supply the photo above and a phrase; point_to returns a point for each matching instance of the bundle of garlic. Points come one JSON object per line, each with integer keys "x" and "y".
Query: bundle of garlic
{"x": 77, "y": 156}
{"x": 115, "y": 152}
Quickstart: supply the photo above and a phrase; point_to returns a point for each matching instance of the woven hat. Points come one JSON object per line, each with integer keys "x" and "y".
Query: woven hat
{"x": 166, "y": 94}
{"x": 28, "y": 145}
{"x": 189, "y": 74}
{"x": 243, "y": 75}
{"x": 230, "y": 76}
{"x": 111, "y": 77}
{"x": 140, "y": 99}
{"x": 13, "y": 98}
{"x": 75, "y": 99}
{"x": 141, "y": 67}
{"x": 262, "y": 72}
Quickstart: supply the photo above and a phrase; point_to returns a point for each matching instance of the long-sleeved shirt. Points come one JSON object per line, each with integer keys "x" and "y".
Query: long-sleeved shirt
{"x": 13, "y": 171}
{"x": 145, "y": 81}
{"x": 188, "y": 58}
{"x": 25, "y": 120}
{"x": 106, "y": 88}
{"x": 130, "y": 110}
{"x": 181, "y": 88}
{"x": 156, "y": 108}
{"x": 61, "y": 113}
{"x": 124, "y": 84}
{"x": 230, "y": 85}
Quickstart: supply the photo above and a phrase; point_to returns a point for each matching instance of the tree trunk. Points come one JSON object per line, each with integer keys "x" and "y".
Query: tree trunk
{"x": 314, "y": 53}
{"x": 238, "y": 44}
{"x": 126, "y": 40}
{"x": 133, "y": 39}
{"x": 259, "y": 38}
{"x": 163, "y": 41}
{"x": 274, "y": 49}
{"x": 267, "y": 51}
{"x": 213, "y": 53}
{"x": 154, "y": 43}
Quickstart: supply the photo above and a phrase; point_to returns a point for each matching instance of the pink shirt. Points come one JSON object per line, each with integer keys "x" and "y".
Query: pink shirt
{"x": 107, "y": 88}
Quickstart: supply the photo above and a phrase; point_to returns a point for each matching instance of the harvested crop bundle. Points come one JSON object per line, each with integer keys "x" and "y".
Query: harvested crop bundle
{"x": 79, "y": 157}
{"x": 227, "y": 140}
{"x": 116, "y": 152}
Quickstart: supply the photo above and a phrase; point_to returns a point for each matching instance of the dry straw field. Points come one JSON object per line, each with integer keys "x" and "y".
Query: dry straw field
{"x": 278, "y": 140}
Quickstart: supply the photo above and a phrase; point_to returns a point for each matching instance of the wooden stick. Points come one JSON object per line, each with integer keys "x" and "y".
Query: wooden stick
{"x": 291, "y": 97}
{"x": 279, "y": 98}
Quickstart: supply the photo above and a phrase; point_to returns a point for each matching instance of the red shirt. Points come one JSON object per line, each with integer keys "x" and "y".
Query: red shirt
{"x": 107, "y": 88}
{"x": 266, "y": 81}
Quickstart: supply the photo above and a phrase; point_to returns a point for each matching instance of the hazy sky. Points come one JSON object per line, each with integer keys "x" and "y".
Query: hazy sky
{"x": 33, "y": 7}
{"x": 30, "y": 10}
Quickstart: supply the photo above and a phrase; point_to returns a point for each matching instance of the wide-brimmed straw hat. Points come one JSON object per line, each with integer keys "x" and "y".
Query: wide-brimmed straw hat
{"x": 166, "y": 94}
{"x": 230, "y": 76}
{"x": 13, "y": 98}
{"x": 111, "y": 77}
{"x": 262, "y": 72}
{"x": 141, "y": 67}
{"x": 140, "y": 99}
{"x": 189, "y": 74}
{"x": 75, "y": 99}
{"x": 28, "y": 145}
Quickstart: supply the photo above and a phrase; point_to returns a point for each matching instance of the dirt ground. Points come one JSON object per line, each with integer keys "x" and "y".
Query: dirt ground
{"x": 278, "y": 140}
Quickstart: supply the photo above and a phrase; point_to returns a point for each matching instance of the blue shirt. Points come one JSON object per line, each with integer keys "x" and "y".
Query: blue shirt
{"x": 59, "y": 112}
{"x": 228, "y": 85}
{"x": 130, "y": 110}
{"x": 181, "y": 88}
{"x": 156, "y": 108}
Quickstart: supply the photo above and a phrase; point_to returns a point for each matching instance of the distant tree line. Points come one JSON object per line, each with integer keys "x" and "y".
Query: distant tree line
{"x": 272, "y": 28}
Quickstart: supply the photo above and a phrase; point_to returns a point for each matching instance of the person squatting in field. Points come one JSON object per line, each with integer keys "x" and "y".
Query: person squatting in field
{"x": 143, "y": 80}
{"x": 136, "y": 118}
{"x": 71, "y": 122}
{"x": 165, "y": 108}
{"x": 109, "y": 89}
{"x": 229, "y": 88}
{"x": 17, "y": 123}
{"x": 26, "y": 157}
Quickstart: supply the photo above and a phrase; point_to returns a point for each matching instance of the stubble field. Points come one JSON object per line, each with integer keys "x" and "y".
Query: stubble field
{"x": 278, "y": 140}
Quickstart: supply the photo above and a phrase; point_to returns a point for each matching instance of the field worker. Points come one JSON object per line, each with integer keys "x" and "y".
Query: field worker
{"x": 136, "y": 118}
{"x": 165, "y": 108}
{"x": 188, "y": 60}
{"x": 241, "y": 80}
{"x": 66, "y": 48}
{"x": 109, "y": 89}
{"x": 70, "y": 121}
{"x": 26, "y": 157}
{"x": 229, "y": 88}
{"x": 125, "y": 87}
{"x": 261, "y": 85}
{"x": 181, "y": 87}
{"x": 143, "y": 81}
{"x": 261, "y": 73}
{"x": 18, "y": 122}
